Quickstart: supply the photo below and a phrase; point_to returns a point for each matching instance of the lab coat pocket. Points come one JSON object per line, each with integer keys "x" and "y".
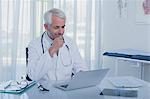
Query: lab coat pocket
{"x": 66, "y": 57}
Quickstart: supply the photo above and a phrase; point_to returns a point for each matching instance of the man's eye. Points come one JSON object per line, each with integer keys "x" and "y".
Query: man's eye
{"x": 57, "y": 27}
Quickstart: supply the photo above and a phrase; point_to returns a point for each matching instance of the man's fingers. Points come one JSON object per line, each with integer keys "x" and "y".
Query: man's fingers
{"x": 58, "y": 42}
{"x": 61, "y": 38}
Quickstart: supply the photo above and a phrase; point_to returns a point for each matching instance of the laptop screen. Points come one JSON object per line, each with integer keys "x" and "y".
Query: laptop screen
{"x": 84, "y": 79}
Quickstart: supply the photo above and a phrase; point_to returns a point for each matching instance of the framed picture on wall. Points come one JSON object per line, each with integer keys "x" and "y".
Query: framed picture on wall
{"x": 122, "y": 6}
{"x": 143, "y": 11}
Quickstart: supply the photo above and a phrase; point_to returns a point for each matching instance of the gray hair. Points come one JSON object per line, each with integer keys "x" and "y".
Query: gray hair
{"x": 53, "y": 12}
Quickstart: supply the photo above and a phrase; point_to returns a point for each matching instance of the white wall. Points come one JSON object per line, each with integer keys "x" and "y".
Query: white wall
{"x": 121, "y": 33}
{"x": 149, "y": 36}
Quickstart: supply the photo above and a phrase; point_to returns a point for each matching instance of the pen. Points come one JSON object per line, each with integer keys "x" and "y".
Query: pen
{"x": 5, "y": 87}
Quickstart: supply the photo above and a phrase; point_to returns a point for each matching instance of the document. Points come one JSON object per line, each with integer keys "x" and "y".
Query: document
{"x": 125, "y": 82}
{"x": 13, "y": 86}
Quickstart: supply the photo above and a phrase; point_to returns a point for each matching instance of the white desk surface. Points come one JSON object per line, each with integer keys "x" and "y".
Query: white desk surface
{"x": 85, "y": 93}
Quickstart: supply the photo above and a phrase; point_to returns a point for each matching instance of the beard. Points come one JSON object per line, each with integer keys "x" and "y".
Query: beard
{"x": 53, "y": 36}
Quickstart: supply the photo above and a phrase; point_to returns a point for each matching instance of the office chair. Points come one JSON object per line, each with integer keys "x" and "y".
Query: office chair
{"x": 27, "y": 77}
{"x": 26, "y": 56}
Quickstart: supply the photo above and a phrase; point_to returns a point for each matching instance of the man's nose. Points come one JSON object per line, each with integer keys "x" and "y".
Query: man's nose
{"x": 61, "y": 31}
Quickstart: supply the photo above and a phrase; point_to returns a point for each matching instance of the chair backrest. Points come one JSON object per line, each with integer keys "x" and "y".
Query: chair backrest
{"x": 26, "y": 56}
{"x": 27, "y": 77}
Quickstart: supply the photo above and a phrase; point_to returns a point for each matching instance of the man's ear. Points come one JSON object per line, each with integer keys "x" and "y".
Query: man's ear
{"x": 46, "y": 26}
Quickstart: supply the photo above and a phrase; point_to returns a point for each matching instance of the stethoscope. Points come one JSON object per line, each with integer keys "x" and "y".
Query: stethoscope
{"x": 40, "y": 86}
{"x": 42, "y": 41}
{"x": 57, "y": 53}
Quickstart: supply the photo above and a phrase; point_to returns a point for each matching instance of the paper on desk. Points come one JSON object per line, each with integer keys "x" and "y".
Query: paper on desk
{"x": 13, "y": 85}
{"x": 125, "y": 82}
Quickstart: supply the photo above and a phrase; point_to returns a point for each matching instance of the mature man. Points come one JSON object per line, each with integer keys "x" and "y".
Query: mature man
{"x": 53, "y": 56}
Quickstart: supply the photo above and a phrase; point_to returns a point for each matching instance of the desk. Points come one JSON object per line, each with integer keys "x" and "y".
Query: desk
{"x": 130, "y": 55}
{"x": 85, "y": 93}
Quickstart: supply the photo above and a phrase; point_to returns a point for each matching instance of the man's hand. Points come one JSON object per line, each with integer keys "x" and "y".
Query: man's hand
{"x": 57, "y": 43}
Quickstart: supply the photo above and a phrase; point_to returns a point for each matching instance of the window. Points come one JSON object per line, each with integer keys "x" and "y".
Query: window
{"x": 22, "y": 21}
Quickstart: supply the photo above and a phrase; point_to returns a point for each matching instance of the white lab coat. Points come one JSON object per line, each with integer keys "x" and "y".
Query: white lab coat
{"x": 43, "y": 67}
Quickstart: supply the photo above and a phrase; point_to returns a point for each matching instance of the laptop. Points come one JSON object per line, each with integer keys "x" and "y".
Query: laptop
{"x": 83, "y": 79}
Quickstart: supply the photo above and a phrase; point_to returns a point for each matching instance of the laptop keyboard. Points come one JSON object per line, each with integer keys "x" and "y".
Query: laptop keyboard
{"x": 64, "y": 86}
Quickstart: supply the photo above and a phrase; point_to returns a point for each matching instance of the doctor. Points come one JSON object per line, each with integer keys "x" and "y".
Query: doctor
{"x": 53, "y": 56}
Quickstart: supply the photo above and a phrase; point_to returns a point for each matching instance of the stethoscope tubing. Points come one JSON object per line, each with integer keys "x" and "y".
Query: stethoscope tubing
{"x": 42, "y": 42}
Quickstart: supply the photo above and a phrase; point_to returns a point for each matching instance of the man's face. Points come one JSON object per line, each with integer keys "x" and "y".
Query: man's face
{"x": 55, "y": 29}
